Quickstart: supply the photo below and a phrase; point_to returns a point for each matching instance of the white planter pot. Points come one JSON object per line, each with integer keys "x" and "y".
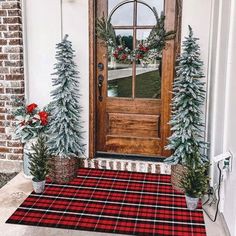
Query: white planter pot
{"x": 192, "y": 202}
{"x": 39, "y": 186}
{"x": 26, "y": 164}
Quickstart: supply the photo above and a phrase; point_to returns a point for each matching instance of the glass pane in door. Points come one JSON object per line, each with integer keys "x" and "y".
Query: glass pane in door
{"x": 145, "y": 15}
{"x": 123, "y": 15}
{"x": 148, "y": 66}
{"x": 120, "y": 66}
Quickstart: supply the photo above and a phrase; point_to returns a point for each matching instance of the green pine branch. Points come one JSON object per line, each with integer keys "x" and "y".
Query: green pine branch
{"x": 39, "y": 159}
{"x": 158, "y": 35}
{"x": 195, "y": 182}
{"x": 106, "y": 32}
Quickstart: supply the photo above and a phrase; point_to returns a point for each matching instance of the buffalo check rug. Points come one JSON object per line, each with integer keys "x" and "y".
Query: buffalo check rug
{"x": 113, "y": 202}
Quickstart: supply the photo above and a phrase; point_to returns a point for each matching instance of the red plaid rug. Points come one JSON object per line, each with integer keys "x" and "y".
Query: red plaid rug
{"x": 113, "y": 202}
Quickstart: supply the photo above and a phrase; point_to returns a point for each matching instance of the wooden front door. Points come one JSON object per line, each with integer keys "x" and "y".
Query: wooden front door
{"x": 133, "y": 98}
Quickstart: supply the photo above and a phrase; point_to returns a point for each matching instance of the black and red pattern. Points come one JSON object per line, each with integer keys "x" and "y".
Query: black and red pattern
{"x": 114, "y": 202}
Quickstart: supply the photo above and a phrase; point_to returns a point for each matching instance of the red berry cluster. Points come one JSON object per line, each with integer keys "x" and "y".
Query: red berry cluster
{"x": 141, "y": 51}
{"x": 120, "y": 54}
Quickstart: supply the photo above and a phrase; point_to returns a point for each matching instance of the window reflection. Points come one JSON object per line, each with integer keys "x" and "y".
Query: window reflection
{"x": 145, "y": 15}
{"x": 158, "y": 4}
{"x": 132, "y": 56}
{"x": 148, "y": 78}
{"x": 119, "y": 66}
{"x": 123, "y": 16}
{"x": 112, "y": 4}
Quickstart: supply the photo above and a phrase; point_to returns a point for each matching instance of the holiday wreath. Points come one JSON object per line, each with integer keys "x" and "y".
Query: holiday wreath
{"x": 150, "y": 49}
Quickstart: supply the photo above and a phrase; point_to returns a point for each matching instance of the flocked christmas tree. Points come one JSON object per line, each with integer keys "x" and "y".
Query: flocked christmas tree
{"x": 187, "y": 125}
{"x": 65, "y": 126}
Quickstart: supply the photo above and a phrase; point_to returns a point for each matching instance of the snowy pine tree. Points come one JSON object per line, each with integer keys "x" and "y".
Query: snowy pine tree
{"x": 187, "y": 125}
{"x": 65, "y": 129}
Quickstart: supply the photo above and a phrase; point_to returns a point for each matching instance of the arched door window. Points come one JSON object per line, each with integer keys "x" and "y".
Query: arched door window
{"x": 133, "y": 21}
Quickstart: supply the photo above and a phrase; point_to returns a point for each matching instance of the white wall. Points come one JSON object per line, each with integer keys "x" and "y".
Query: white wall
{"x": 218, "y": 75}
{"x": 43, "y": 28}
{"x": 222, "y": 127}
{"x": 43, "y": 31}
{"x": 197, "y": 14}
{"x": 229, "y": 208}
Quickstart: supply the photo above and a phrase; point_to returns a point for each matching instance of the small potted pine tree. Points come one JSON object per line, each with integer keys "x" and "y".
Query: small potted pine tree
{"x": 65, "y": 126}
{"x": 195, "y": 184}
{"x": 38, "y": 158}
{"x": 186, "y": 142}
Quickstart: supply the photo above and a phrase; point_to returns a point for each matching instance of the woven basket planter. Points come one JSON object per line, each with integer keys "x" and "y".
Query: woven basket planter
{"x": 177, "y": 172}
{"x": 63, "y": 170}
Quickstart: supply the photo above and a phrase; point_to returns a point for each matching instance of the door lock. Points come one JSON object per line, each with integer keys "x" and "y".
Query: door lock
{"x": 100, "y": 83}
{"x": 100, "y": 66}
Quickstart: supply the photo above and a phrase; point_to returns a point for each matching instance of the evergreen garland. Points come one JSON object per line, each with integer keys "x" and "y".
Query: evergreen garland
{"x": 187, "y": 125}
{"x": 106, "y": 32}
{"x": 158, "y": 35}
{"x": 65, "y": 129}
{"x": 39, "y": 160}
{"x": 155, "y": 43}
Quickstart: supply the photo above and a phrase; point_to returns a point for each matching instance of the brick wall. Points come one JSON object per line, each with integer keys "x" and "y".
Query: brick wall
{"x": 11, "y": 79}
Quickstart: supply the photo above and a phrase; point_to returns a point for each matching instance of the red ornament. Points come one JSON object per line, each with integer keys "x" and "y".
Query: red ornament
{"x": 143, "y": 48}
{"x": 124, "y": 56}
{"x": 43, "y": 117}
{"x": 115, "y": 55}
{"x": 139, "y": 56}
{"x": 30, "y": 108}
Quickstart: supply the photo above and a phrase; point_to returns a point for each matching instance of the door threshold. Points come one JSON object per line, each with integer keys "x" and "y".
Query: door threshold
{"x": 133, "y": 157}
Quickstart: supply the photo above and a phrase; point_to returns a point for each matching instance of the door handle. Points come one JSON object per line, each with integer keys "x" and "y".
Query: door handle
{"x": 100, "y": 83}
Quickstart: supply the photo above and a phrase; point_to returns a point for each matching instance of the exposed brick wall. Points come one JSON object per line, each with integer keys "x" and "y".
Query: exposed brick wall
{"x": 11, "y": 74}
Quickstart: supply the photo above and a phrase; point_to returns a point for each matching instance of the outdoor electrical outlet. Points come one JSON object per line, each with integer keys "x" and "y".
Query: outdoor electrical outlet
{"x": 222, "y": 157}
{"x": 228, "y": 163}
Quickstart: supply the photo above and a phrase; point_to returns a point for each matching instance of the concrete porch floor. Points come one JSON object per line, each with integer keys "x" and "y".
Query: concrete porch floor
{"x": 14, "y": 193}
